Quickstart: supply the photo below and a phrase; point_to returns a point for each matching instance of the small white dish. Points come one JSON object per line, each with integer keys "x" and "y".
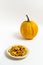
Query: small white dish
{"x": 17, "y": 57}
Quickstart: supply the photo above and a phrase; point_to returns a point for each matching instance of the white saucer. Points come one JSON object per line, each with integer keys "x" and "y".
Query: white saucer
{"x": 19, "y": 57}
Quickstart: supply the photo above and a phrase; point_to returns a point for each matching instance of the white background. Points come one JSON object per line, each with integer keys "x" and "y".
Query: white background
{"x": 12, "y": 14}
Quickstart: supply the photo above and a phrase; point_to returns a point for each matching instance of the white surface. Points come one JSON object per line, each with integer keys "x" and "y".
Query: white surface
{"x": 10, "y": 36}
{"x": 12, "y": 13}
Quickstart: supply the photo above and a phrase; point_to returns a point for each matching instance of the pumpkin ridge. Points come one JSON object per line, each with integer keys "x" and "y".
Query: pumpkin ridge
{"x": 32, "y": 30}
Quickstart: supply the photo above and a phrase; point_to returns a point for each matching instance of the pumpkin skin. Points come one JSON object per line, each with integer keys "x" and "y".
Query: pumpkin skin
{"x": 29, "y": 29}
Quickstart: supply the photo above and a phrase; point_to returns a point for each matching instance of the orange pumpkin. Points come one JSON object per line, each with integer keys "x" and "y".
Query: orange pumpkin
{"x": 28, "y": 29}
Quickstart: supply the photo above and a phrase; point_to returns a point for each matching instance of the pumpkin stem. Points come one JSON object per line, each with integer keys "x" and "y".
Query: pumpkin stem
{"x": 27, "y": 17}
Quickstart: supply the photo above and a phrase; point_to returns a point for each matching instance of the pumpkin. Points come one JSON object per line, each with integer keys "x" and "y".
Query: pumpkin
{"x": 28, "y": 29}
